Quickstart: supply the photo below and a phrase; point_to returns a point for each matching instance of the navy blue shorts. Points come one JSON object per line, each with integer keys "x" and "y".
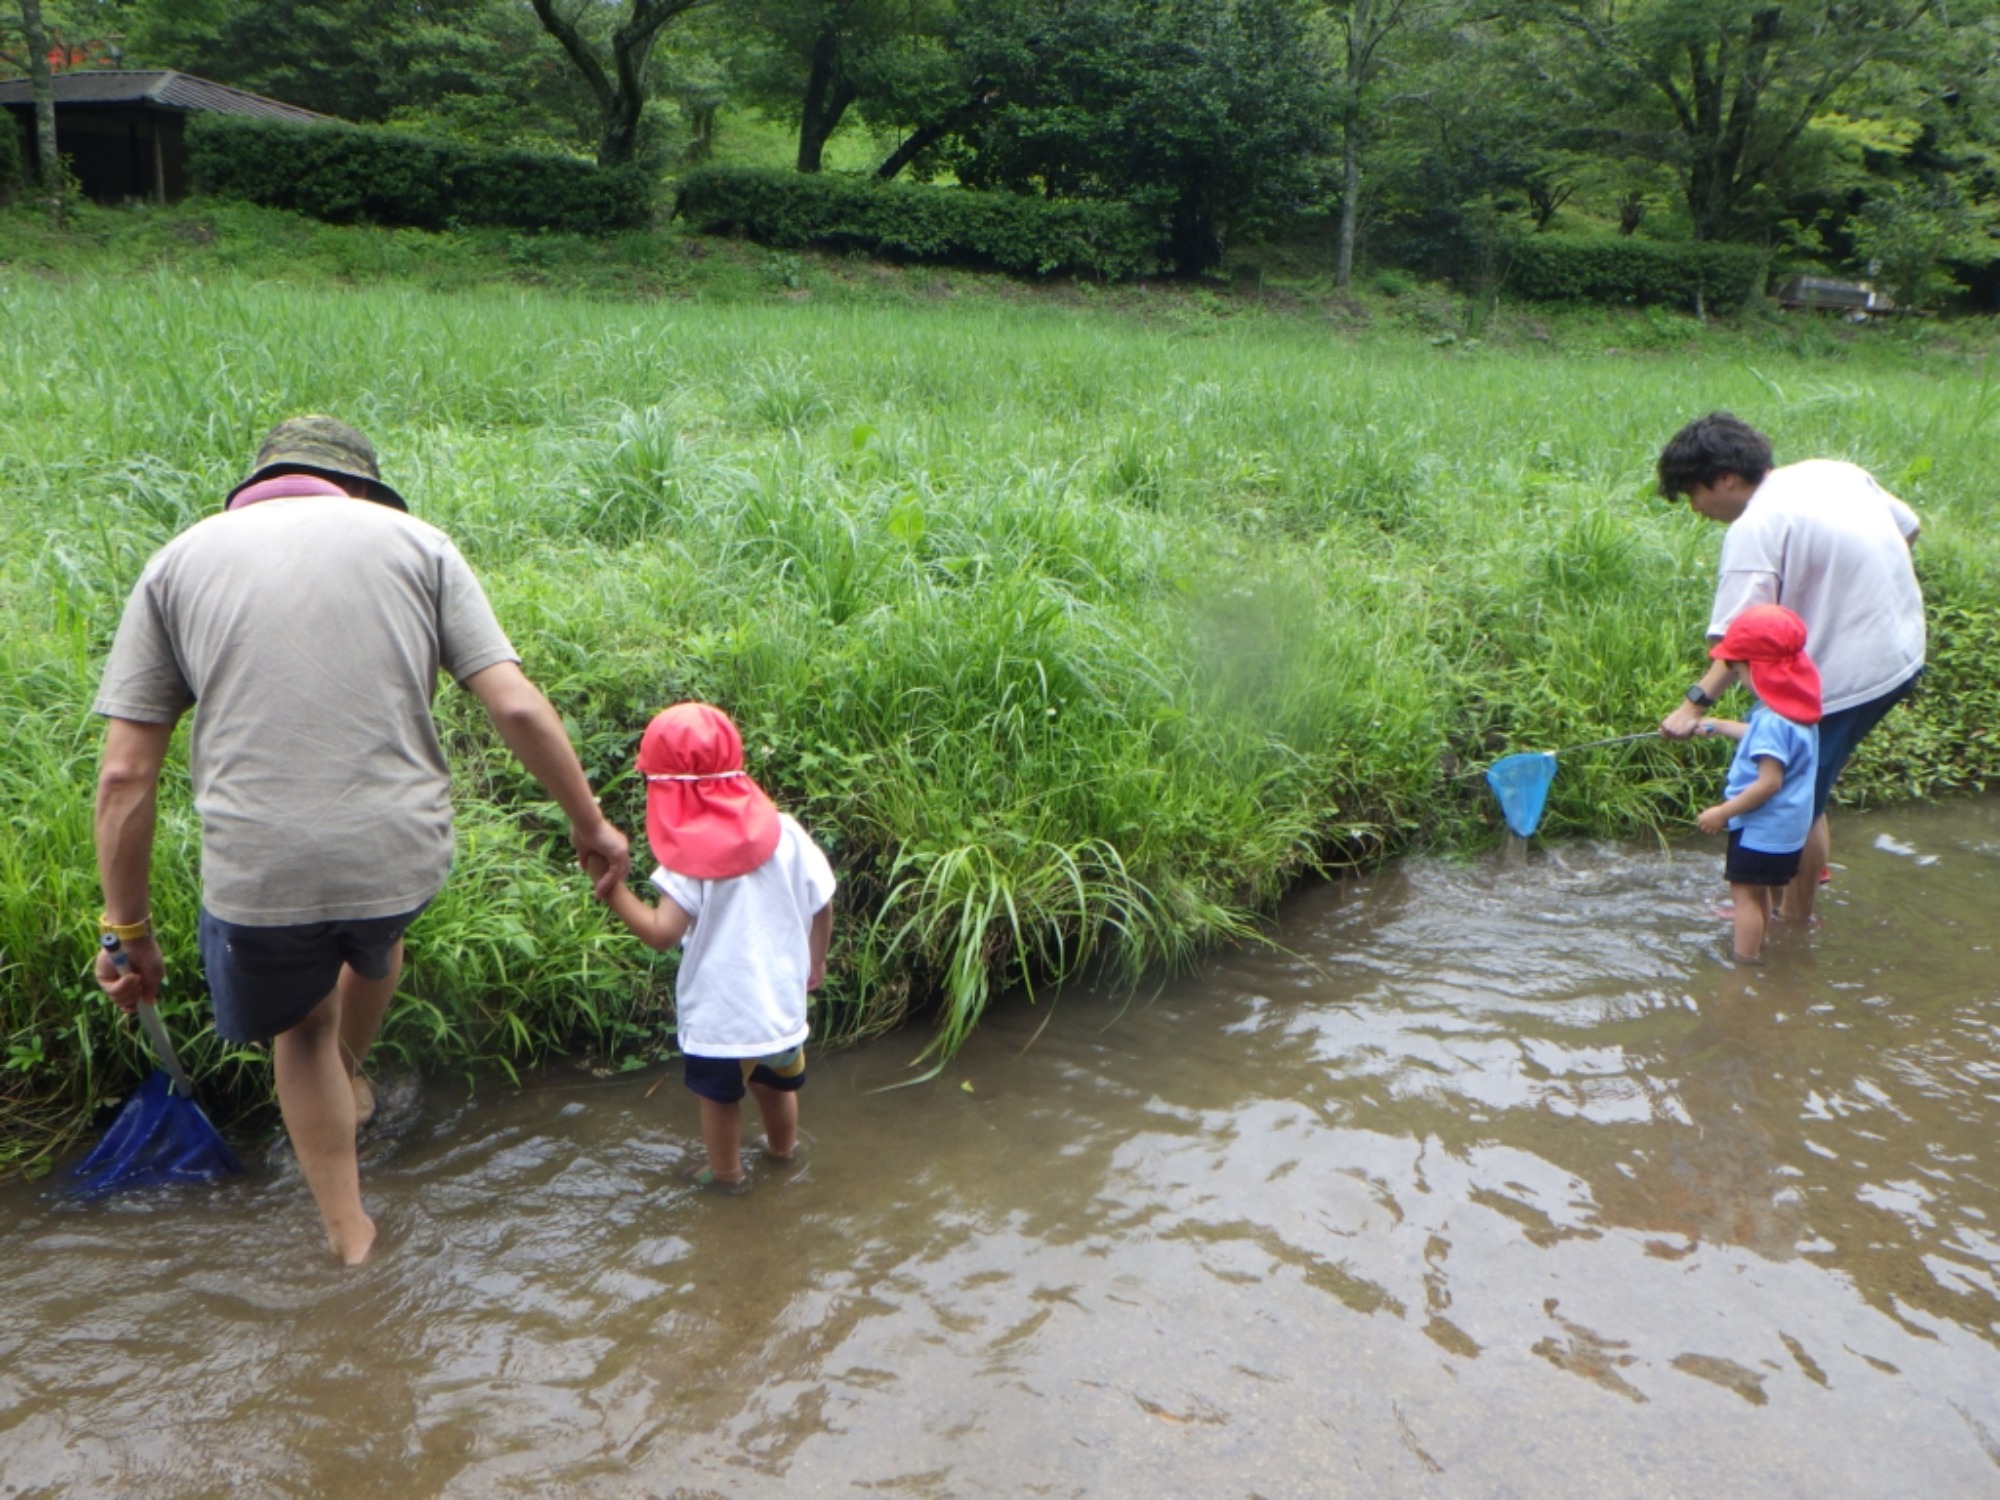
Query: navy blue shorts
{"x": 1755, "y": 867}
{"x": 265, "y": 980}
{"x": 1840, "y": 733}
{"x": 727, "y": 1079}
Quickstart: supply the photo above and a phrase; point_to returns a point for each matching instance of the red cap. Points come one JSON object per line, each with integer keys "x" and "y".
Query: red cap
{"x": 705, "y": 817}
{"x": 1773, "y": 641}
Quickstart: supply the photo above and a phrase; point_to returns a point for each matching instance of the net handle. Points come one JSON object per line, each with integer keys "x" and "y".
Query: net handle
{"x": 1619, "y": 739}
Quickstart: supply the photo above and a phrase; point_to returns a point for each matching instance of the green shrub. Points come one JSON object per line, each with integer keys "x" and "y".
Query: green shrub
{"x": 1027, "y": 236}
{"x": 1549, "y": 268}
{"x": 350, "y": 173}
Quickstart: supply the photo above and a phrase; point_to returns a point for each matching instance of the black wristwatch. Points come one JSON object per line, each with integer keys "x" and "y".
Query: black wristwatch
{"x": 1698, "y": 698}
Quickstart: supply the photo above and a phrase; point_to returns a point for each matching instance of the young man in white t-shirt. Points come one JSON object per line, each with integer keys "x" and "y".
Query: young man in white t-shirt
{"x": 747, "y": 896}
{"x": 1826, "y": 541}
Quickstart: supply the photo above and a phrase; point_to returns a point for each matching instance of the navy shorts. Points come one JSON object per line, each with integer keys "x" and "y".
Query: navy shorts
{"x": 1840, "y": 733}
{"x": 727, "y": 1079}
{"x": 1755, "y": 867}
{"x": 265, "y": 980}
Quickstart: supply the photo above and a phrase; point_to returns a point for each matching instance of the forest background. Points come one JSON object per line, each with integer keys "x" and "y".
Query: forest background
{"x": 1420, "y": 135}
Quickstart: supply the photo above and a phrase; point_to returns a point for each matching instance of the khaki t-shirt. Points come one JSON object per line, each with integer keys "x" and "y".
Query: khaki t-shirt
{"x": 309, "y": 633}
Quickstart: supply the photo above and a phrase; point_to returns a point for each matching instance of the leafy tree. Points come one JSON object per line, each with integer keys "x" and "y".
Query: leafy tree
{"x": 1214, "y": 114}
{"x": 618, "y": 79}
{"x": 1728, "y": 90}
{"x": 1909, "y": 233}
{"x": 1368, "y": 30}
{"x": 35, "y": 48}
{"x": 897, "y": 64}
{"x": 479, "y": 68}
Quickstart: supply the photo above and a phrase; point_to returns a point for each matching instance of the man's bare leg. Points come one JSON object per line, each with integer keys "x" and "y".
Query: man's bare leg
{"x": 780, "y": 1109}
{"x": 1795, "y": 902}
{"x": 317, "y": 1100}
{"x": 363, "y": 1003}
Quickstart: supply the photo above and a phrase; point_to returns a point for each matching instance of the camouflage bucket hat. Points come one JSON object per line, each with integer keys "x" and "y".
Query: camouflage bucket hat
{"x": 319, "y": 445}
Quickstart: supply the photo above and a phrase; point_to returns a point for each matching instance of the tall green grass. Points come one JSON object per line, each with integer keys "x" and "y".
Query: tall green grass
{"x": 1075, "y": 636}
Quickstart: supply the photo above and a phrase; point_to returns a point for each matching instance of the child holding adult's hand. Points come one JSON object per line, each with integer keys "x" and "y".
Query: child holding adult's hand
{"x": 747, "y": 896}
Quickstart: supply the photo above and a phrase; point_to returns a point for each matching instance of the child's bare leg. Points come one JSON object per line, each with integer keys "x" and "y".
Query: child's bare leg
{"x": 1753, "y": 916}
{"x": 780, "y": 1109}
{"x": 722, "y": 1134}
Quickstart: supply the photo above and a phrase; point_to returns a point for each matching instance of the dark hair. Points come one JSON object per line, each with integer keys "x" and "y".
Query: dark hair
{"x": 1709, "y": 447}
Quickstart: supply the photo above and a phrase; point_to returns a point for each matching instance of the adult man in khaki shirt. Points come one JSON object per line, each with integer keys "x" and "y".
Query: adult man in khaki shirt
{"x": 309, "y": 622}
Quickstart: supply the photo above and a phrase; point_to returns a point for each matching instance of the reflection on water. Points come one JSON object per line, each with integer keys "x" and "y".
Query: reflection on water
{"x": 1492, "y": 1179}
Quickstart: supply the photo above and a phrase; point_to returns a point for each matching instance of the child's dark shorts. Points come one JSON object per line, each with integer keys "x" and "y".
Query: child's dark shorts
{"x": 1755, "y": 867}
{"x": 727, "y": 1079}
{"x": 265, "y": 980}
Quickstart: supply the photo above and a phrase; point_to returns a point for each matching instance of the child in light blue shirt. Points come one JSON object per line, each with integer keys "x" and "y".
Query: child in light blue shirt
{"x": 1767, "y": 804}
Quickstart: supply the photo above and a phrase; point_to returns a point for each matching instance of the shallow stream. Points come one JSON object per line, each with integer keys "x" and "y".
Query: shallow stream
{"x": 1492, "y": 1179}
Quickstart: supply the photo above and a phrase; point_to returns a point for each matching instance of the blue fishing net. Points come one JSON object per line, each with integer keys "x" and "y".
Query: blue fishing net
{"x": 157, "y": 1137}
{"x": 1521, "y": 783}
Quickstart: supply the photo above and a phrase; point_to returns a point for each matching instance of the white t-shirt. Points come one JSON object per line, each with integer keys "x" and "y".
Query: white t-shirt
{"x": 1826, "y": 541}
{"x": 745, "y": 959}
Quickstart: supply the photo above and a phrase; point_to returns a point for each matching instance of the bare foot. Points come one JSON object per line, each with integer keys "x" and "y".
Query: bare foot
{"x": 768, "y": 1150}
{"x": 364, "y": 1102}
{"x": 353, "y": 1245}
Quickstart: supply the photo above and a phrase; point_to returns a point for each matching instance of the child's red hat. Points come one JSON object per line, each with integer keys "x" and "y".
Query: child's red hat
{"x": 1773, "y": 641}
{"x": 705, "y": 817}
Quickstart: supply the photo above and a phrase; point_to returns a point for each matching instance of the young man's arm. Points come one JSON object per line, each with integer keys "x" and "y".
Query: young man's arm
{"x": 530, "y": 727}
{"x": 1685, "y": 721}
{"x": 128, "y": 785}
{"x": 1770, "y": 776}
{"x": 816, "y": 941}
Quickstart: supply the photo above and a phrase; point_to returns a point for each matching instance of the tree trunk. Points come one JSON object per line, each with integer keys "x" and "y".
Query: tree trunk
{"x": 621, "y": 92}
{"x": 1350, "y": 199}
{"x": 956, "y": 122}
{"x": 48, "y": 163}
{"x": 828, "y": 93}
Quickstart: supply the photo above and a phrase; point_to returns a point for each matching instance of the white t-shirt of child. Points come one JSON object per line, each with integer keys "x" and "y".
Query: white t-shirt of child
{"x": 1826, "y": 541}
{"x": 747, "y": 954}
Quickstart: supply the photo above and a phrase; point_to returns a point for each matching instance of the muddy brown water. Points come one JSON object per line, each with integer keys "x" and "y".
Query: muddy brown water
{"x": 1493, "y": 1180}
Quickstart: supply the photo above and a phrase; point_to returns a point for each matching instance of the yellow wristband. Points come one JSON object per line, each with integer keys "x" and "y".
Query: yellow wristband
{"x": 125, "y": 932}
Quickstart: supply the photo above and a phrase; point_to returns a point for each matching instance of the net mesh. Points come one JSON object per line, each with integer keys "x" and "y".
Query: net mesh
{"x": 157, "y": 1137}
{"x": 1521, "y": 783}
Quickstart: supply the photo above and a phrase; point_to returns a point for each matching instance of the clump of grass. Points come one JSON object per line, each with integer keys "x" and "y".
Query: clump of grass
{"x": 1075, "y": 639}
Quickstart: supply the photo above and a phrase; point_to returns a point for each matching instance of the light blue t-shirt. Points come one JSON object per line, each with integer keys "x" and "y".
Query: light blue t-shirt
{"x": 1781, "y": 824}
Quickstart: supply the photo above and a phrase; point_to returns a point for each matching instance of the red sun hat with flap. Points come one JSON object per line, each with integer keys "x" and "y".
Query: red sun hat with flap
{"x": 705, "y": 817}
{"x": 1773, "y": 641}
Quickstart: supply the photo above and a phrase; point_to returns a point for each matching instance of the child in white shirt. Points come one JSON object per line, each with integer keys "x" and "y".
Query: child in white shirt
{"x": 747, "y": 895}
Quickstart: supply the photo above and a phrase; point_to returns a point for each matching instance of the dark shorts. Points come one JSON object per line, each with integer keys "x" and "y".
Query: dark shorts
{"x": 1755, "y": 867}
{"x": 727, "y": 1079}
{"x": 265, "y": 980}
{"x": 1840, "y": 733}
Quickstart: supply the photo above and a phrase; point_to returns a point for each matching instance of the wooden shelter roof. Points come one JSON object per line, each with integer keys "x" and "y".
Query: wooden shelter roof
{"x": 159, "y": 88}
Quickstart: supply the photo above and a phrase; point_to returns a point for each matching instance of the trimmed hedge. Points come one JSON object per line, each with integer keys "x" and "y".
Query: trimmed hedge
{"x": 1027, "y": 236}
{"x": 1550, "y": 268}
{"x": 351, "y": 173}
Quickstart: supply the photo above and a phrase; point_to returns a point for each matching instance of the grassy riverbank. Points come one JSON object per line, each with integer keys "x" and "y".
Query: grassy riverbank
{"x": 1075, "y": 631}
